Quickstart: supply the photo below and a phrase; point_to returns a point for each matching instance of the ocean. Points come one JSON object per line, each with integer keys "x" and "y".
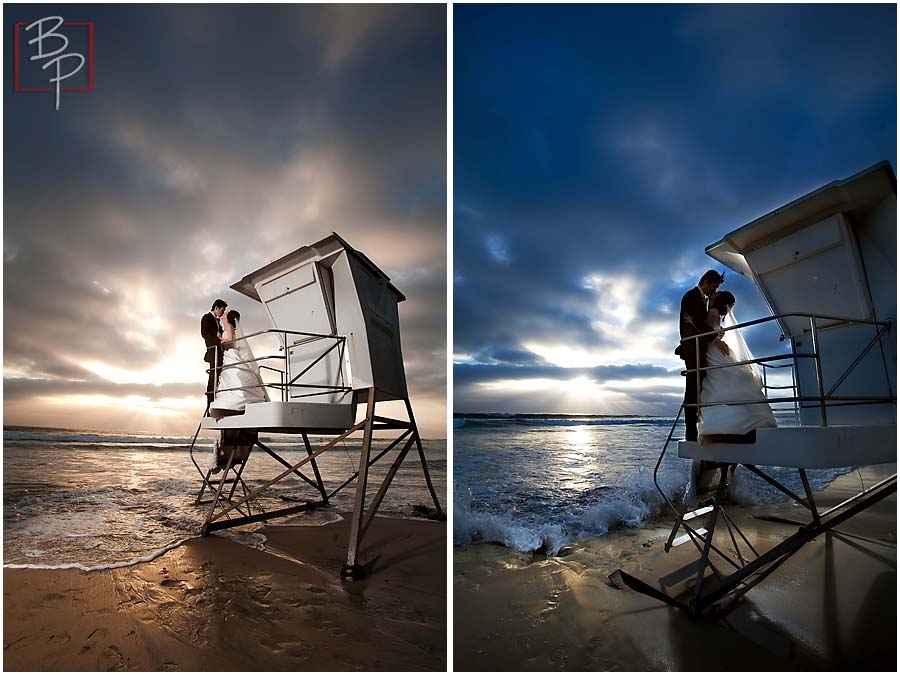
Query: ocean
{"x": 539, "y": 482}
{"x": 94, "y": 500}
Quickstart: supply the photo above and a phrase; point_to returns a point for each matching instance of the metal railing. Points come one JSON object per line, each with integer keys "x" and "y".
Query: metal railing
{"x": 823, "y": 400}
{"x": 289, "y": 381}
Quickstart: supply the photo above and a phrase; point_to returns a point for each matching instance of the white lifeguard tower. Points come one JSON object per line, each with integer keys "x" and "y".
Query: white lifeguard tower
{"x": 826, "y": 266}
{"x": 345, "y": 351}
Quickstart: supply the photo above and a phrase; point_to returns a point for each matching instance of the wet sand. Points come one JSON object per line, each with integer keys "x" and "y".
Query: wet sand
{"x": 214, "y": 604}
{"x": 832, "y": 606}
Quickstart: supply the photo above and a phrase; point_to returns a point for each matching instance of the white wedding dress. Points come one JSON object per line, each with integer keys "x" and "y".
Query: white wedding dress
{"x": 243, "y": 381}
{"x": 737, "y": 383}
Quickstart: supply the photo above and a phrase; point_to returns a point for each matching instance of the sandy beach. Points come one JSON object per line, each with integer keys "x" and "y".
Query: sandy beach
{"x": 832, "y": 606}
{"x": 214, "y": 604}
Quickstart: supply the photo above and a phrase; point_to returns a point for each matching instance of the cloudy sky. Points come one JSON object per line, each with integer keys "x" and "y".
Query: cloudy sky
{"x": 216, "y": 139}
{"x": 599, "y": 149}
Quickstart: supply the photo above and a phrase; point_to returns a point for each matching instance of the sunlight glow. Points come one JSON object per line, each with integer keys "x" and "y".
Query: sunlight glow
{"x": 183, "y": 365}
{"x": 579, "y": 387}
{"x": 640, "y": 342}
{"x": 138, "y": 404}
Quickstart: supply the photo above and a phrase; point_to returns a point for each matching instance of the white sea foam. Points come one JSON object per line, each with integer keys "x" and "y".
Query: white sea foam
{"x": 537, "y": 484}
{"x": 153, "y": 555}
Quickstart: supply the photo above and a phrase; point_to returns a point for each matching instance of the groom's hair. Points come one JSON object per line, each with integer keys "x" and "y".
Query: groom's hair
{"x": 711, "y": 276}
{"x": 219, "y": 303}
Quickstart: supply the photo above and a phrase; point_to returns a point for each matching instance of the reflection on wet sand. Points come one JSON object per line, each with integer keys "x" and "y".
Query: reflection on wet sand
{"x": 214, "y": 604}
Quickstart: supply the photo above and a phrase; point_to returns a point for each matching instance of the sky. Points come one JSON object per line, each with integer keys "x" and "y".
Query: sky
{"x": 599, "y": 149}
{"x": 216, "y": 139}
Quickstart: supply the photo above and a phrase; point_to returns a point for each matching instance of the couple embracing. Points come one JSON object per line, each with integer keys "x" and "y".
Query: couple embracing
{"x": 234, "y": 379}
{"x": 705, "y": 309}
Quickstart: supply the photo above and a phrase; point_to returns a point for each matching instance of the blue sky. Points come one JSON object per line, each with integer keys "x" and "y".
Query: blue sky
{"x": 217, "y": 138}
{"x": 599, "y": 149}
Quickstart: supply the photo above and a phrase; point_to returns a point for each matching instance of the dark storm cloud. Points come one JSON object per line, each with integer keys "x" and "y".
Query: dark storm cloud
{"x": 507, "y": 355}
{"x": 219, "y": 138}
{"x": 619, "y": 141}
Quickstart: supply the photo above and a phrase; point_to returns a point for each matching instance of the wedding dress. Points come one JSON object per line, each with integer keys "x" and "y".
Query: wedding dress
{"x": 736, "y": 383}
{"x": 243, "y": 381}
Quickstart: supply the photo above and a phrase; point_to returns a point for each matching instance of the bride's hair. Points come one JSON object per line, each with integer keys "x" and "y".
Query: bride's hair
{"x": 232, "y": 317}
{"x": 720, "y": 301}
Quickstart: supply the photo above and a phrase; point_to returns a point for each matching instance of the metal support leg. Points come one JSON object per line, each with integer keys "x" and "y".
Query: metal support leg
{"x": 217, "y": 497}
{"x": 191, "y": 453}
{"x": 778, "y": 486}
{"x": 315, "y": 467}
{"x": 371, "y": 462}
{"x": 385, "y": 484}
{"x": 434, "y": 497}
{"x": 809, "y": 496}
{"x": 351, "y": 569}
{"x": 291, "y": 469}
{"x": 278, "y": 458}
{"x": 734, "y": 543}
{"x": 738, "y": 530}
{"x": 237, "y": 478}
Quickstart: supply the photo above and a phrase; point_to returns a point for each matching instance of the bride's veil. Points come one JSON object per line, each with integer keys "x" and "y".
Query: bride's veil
{"x": 738, "y": 346}
{"x": 246, "y": 355}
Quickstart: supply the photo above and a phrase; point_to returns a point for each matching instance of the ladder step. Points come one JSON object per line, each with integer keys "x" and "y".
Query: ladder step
{"x": 698, "y": 512}
{"x": 687, "y": 537}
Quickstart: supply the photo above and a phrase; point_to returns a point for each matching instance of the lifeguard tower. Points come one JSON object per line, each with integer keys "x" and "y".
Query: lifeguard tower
{"x": 826, "y": 266}
{"x": 347, "y": 353}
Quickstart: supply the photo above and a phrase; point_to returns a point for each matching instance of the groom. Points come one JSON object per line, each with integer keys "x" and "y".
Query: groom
{"x": 211, "y": 330}
{"x": 694, "y": 306}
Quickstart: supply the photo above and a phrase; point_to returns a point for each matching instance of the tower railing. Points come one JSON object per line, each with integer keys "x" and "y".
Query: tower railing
{"x": 823, "y": 400}
{"x": 289, "y": 381}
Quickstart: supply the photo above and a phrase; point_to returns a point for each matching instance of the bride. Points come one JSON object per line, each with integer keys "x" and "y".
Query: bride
{"x": 735, "y": 383}
{"x": 241, "y": 384}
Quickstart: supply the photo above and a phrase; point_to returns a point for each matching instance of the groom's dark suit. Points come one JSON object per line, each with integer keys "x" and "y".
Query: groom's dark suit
{"x": 693, "y": 322}
{"x": 210, "y": 328}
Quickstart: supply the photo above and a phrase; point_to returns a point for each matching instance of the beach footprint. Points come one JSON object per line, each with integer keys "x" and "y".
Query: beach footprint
{"x": 59, "y": 639}
{"x": 113, "y": 658}
{"x": 91, "y": 640}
